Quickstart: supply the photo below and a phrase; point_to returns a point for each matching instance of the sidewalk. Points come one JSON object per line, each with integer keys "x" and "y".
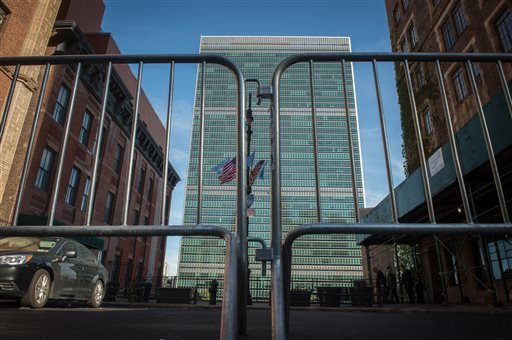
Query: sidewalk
{"x": 387, "y": 308}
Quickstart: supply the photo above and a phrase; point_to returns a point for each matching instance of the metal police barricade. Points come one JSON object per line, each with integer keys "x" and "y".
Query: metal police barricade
{"x": 281, "y": 251}
{"x": 233, "y": 306}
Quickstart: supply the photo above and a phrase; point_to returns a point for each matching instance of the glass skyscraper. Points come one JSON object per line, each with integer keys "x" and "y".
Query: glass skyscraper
{"x": 315, "y": 258}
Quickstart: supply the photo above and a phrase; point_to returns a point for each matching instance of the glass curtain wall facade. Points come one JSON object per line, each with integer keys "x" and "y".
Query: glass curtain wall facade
{"x": 331, "y": 258}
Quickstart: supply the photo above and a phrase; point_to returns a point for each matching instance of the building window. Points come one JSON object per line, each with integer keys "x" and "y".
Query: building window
{"x": 449, "y": 35}
{"x": 404, "y": 47}
{"x": 150, "y": 189}
{"x": 504, "y": 28}
{"x": 460, "y": 84}
{"x": 109, "y": 208}
{"x": 72, "y": 186}
{"x": 102, "y": 142}
{"x": 406, "y": 4}
{"x": 460, "y": 19}
{"x": 421, "y": 80}
{"x": 87, "y": 192}
{"x": 85, "y": 129}
{"x": 412, "y": 36}
{"x": 62, "y": 105}
{"x": 476, "y": 69}
{"x": 3, "y": 16}
{"x": 429, "y": 126}
{"x": 504, "y": 247}
{"x": 140, "y": 186}
{"x": 118, "y": 159}
{"x": 45, "y": 166}
{"x": 136, "y": 217}
{"x": 397, "y": 13}
{"x": 146, "y": 220}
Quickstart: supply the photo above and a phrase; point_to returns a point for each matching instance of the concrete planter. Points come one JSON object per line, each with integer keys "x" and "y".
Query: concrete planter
{"x": 174, "y": 295}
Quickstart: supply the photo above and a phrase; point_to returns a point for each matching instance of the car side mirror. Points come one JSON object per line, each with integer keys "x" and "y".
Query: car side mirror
{"x": 69, "y": 254}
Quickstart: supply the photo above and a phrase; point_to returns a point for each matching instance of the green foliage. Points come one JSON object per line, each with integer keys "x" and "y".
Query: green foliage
{"x": 404, "y": 253}
{"x": 429, "y": 91}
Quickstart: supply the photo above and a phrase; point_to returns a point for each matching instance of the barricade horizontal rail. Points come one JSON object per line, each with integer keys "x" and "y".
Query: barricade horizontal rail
{"x": 229, "y": 310}
{"x": 193, "y": 58}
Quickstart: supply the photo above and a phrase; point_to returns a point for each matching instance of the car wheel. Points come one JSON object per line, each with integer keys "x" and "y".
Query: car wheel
{"x": 97, "y": 295}
{"x": 38, "y": 291}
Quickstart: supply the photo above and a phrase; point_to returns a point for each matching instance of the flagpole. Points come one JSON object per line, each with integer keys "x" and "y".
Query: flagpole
{"x": 249, "y": 119}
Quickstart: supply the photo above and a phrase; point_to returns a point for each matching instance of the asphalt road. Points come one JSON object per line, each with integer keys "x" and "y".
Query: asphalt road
{"x": 60, "y": 322}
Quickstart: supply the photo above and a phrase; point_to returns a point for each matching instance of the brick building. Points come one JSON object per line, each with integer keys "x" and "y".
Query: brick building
{"x": 462, "y": 269}
{"x": 447, "y": 26}
{"x": 25, "y": 29}
{"x": 76, "y": 30}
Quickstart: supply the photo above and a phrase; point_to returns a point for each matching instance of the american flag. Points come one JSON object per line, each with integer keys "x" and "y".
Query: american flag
{"x": 228, "y": 172}
{"x": 255, "y": 171}
{"x": 219, "y": 168}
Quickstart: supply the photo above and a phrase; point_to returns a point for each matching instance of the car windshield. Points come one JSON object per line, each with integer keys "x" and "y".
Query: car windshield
{"x": 27, "y": 243}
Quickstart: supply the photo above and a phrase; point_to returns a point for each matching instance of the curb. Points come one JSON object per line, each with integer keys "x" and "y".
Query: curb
{"x": 477, "y": 309}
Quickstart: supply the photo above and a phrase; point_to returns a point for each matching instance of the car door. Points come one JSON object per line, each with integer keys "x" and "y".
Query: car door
{"x": 88, "y": 270}
{"x": 67, "y": 278}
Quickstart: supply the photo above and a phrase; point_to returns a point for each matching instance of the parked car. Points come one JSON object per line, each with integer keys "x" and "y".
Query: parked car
{"x": 35, "y": 269}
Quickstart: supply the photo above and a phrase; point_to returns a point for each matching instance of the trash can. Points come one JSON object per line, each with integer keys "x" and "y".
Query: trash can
{"x": 300, "y": 297}
{"x": 362, "y": 296}
{"x": 329, "y": 296}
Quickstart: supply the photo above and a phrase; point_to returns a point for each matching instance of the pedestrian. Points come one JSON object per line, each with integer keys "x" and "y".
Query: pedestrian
{"x": 408, "y": 285}
{"x": 418, "y": 286}
{"x": 380, "y": 285}
{"x": 214, "y": 285}
{"x": 391, "y": 284}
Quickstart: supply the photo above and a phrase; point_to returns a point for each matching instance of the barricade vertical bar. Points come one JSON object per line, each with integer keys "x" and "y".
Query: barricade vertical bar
{"x": 242, "y": 228}
{"x": 133, "y": 139}
{"x": 96, "y": 150}
{"x": 278, "y": 289}
{"x": 26, "y": 162}
{"x": 495, "y": 173}
{"x": 421, "y": 153}
{"x": 63, "y": 146}
{"x": 424, "y": 173}
{"x": 506, "y": 91}
{"x": 488, "y": 144}
{"x": 391, "y": 187}
{"x": 8, "y": 101}
{"x": 167, "y": 144}
{"x": 355, "y": 191}
{"x": 453, "y": 145}
{"x": 229, "y": 306}
{"x": 201, "y": 146}
{"x": 315, "y": 140}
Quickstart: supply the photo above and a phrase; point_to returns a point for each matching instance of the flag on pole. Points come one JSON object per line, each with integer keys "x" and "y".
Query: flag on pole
{"x": 219, "y": 168}
{"x": 255, "y": 171}
{"x": 250, "y": 159}
{"x": 262, "y": 172}
{"x": 251, "y": 212}
{"x": 228, "y": 172}
{"x": 250, "y": 200}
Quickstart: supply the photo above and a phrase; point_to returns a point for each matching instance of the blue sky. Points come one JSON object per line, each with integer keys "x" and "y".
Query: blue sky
{"x": 175, "y": 27}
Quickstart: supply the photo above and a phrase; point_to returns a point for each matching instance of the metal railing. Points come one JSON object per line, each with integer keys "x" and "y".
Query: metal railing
{"x": 233, "y": 306}
{"x": 281, "y": 262}
{"x": 236, "y": 265}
